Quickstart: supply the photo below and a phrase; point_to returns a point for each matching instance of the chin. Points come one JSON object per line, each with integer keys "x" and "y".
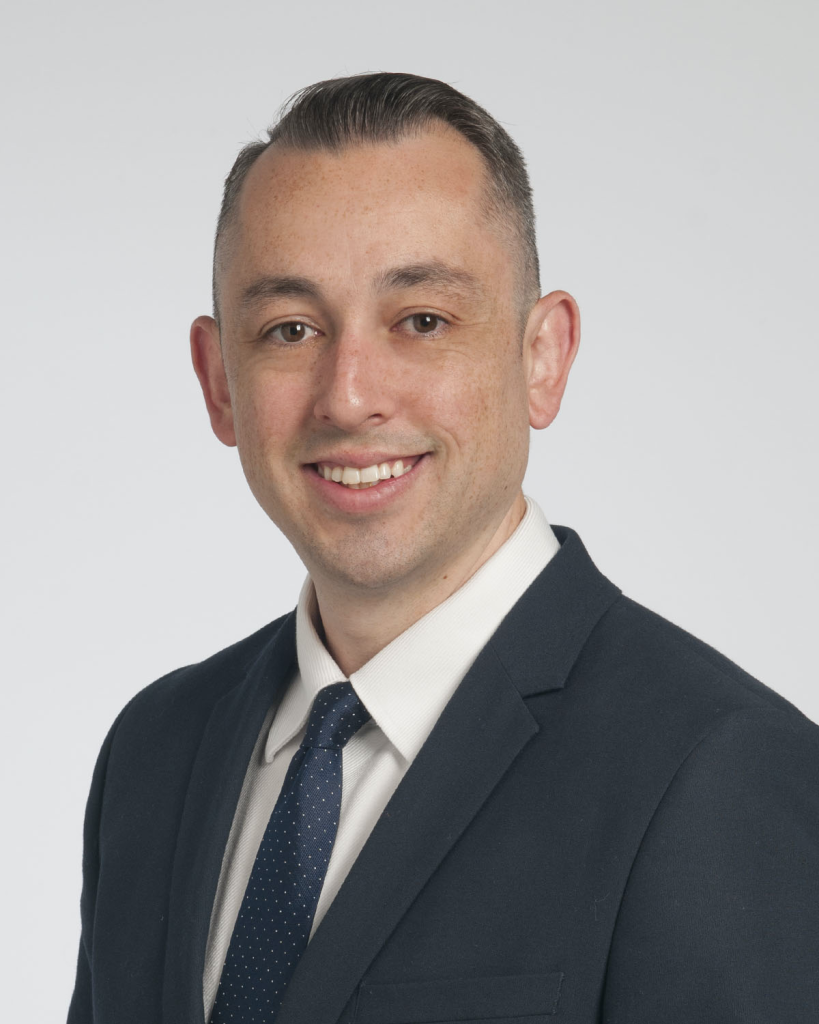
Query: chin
{"x": 364, "y": 567}
{"x": 369, "y": 574}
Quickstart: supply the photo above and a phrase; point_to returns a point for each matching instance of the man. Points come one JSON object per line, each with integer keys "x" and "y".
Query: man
{"x": 466, "y": 779}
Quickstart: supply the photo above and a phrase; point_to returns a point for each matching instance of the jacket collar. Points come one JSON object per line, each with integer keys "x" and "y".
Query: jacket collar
{"x": 555, "y": 615}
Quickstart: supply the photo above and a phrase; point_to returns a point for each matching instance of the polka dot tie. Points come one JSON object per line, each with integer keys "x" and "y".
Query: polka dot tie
{"x": 279, "y": 904}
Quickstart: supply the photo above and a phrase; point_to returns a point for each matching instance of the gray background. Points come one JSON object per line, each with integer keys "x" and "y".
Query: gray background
{"x": 673, "y": 152}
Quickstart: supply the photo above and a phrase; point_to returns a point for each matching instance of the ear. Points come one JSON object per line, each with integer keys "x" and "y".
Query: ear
{"x": 206, "y": 354}
{"x": 550, "y": 345}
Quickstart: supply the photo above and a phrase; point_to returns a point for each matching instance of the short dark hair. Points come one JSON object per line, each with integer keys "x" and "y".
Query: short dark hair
{"x": 382, "y": 107}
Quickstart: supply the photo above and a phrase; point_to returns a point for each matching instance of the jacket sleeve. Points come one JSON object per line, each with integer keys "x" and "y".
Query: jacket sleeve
{"x": 81, "y": 1010}
{"x": 719, "y": 920}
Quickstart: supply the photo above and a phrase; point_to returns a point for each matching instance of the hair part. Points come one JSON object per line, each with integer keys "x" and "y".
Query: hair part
{"x": 384, "y": 107}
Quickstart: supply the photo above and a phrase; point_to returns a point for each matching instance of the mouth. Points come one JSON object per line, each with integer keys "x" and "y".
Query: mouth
{"x": 363, "y": 477}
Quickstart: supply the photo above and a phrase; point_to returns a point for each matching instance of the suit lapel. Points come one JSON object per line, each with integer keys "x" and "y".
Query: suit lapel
{"x": 210, "y": 803}
{"x": 479, "y": 735}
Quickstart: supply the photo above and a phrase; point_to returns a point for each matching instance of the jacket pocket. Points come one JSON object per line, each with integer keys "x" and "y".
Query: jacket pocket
{"x": 507, "y": 999}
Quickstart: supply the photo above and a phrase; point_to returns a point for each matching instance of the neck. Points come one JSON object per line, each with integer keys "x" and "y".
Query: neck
{"x": 356, "y": 625}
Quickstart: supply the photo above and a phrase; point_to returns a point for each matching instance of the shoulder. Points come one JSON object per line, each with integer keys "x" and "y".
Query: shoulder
{"x": 649, "y": 659}
{"x": 727, "y": 852}
{"x": 147, "y": 756}
{"x": 727, "y": 765}
{"x": 653, "y": 701}
{"x": 189, "y": 694}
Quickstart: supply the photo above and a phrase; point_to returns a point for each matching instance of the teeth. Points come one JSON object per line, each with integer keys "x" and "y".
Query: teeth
{"x": 367, "y": 477}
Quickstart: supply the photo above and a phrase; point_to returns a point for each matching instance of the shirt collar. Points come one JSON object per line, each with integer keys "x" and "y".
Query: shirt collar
{"x": 317, "y": 669}
{"x": 406, "y": 686}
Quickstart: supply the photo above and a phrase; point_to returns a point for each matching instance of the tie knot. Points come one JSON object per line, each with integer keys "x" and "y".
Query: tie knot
{"x": 336, "y": 715}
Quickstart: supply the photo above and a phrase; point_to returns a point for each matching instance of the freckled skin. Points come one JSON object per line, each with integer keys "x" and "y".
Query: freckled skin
{"x": 364, "y": 377}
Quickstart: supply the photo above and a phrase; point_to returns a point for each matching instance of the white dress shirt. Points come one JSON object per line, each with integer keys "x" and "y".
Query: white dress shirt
{"x": 405, "y": 687}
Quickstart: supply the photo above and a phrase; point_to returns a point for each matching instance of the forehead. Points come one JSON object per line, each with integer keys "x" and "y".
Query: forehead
{"x": 437, "y": 163}
{"x": 422, "y": 197}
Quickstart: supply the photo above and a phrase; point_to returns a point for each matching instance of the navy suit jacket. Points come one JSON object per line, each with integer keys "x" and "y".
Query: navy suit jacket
{"x": 610, "y": 822}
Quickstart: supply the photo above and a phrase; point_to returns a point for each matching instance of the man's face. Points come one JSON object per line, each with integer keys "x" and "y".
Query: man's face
{"x": 368, "y": 318}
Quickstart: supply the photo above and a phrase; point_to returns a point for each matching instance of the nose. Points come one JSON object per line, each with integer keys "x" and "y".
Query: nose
{"x": 356, "y": 382}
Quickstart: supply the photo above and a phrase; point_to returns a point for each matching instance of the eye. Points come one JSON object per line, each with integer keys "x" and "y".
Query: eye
{"x": 291, "y": 332}
{"x": 429, "y": 324}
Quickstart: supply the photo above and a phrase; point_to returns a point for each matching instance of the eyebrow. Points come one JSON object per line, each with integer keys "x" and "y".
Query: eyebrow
{"x": 434, "y": 272}
{"x": 409, "y": 275}
{"x": 277, "y": 287}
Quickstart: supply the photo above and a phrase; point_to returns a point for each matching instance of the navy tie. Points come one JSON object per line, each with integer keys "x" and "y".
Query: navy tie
{"x": 274, "y": 922}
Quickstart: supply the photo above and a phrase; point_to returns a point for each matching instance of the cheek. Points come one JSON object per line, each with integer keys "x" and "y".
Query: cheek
{"x": 489, "y": 413}
{"x": 268, "y": 410}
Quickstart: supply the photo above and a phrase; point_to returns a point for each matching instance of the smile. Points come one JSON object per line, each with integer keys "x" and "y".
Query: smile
{"x": 367, "y": 476}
